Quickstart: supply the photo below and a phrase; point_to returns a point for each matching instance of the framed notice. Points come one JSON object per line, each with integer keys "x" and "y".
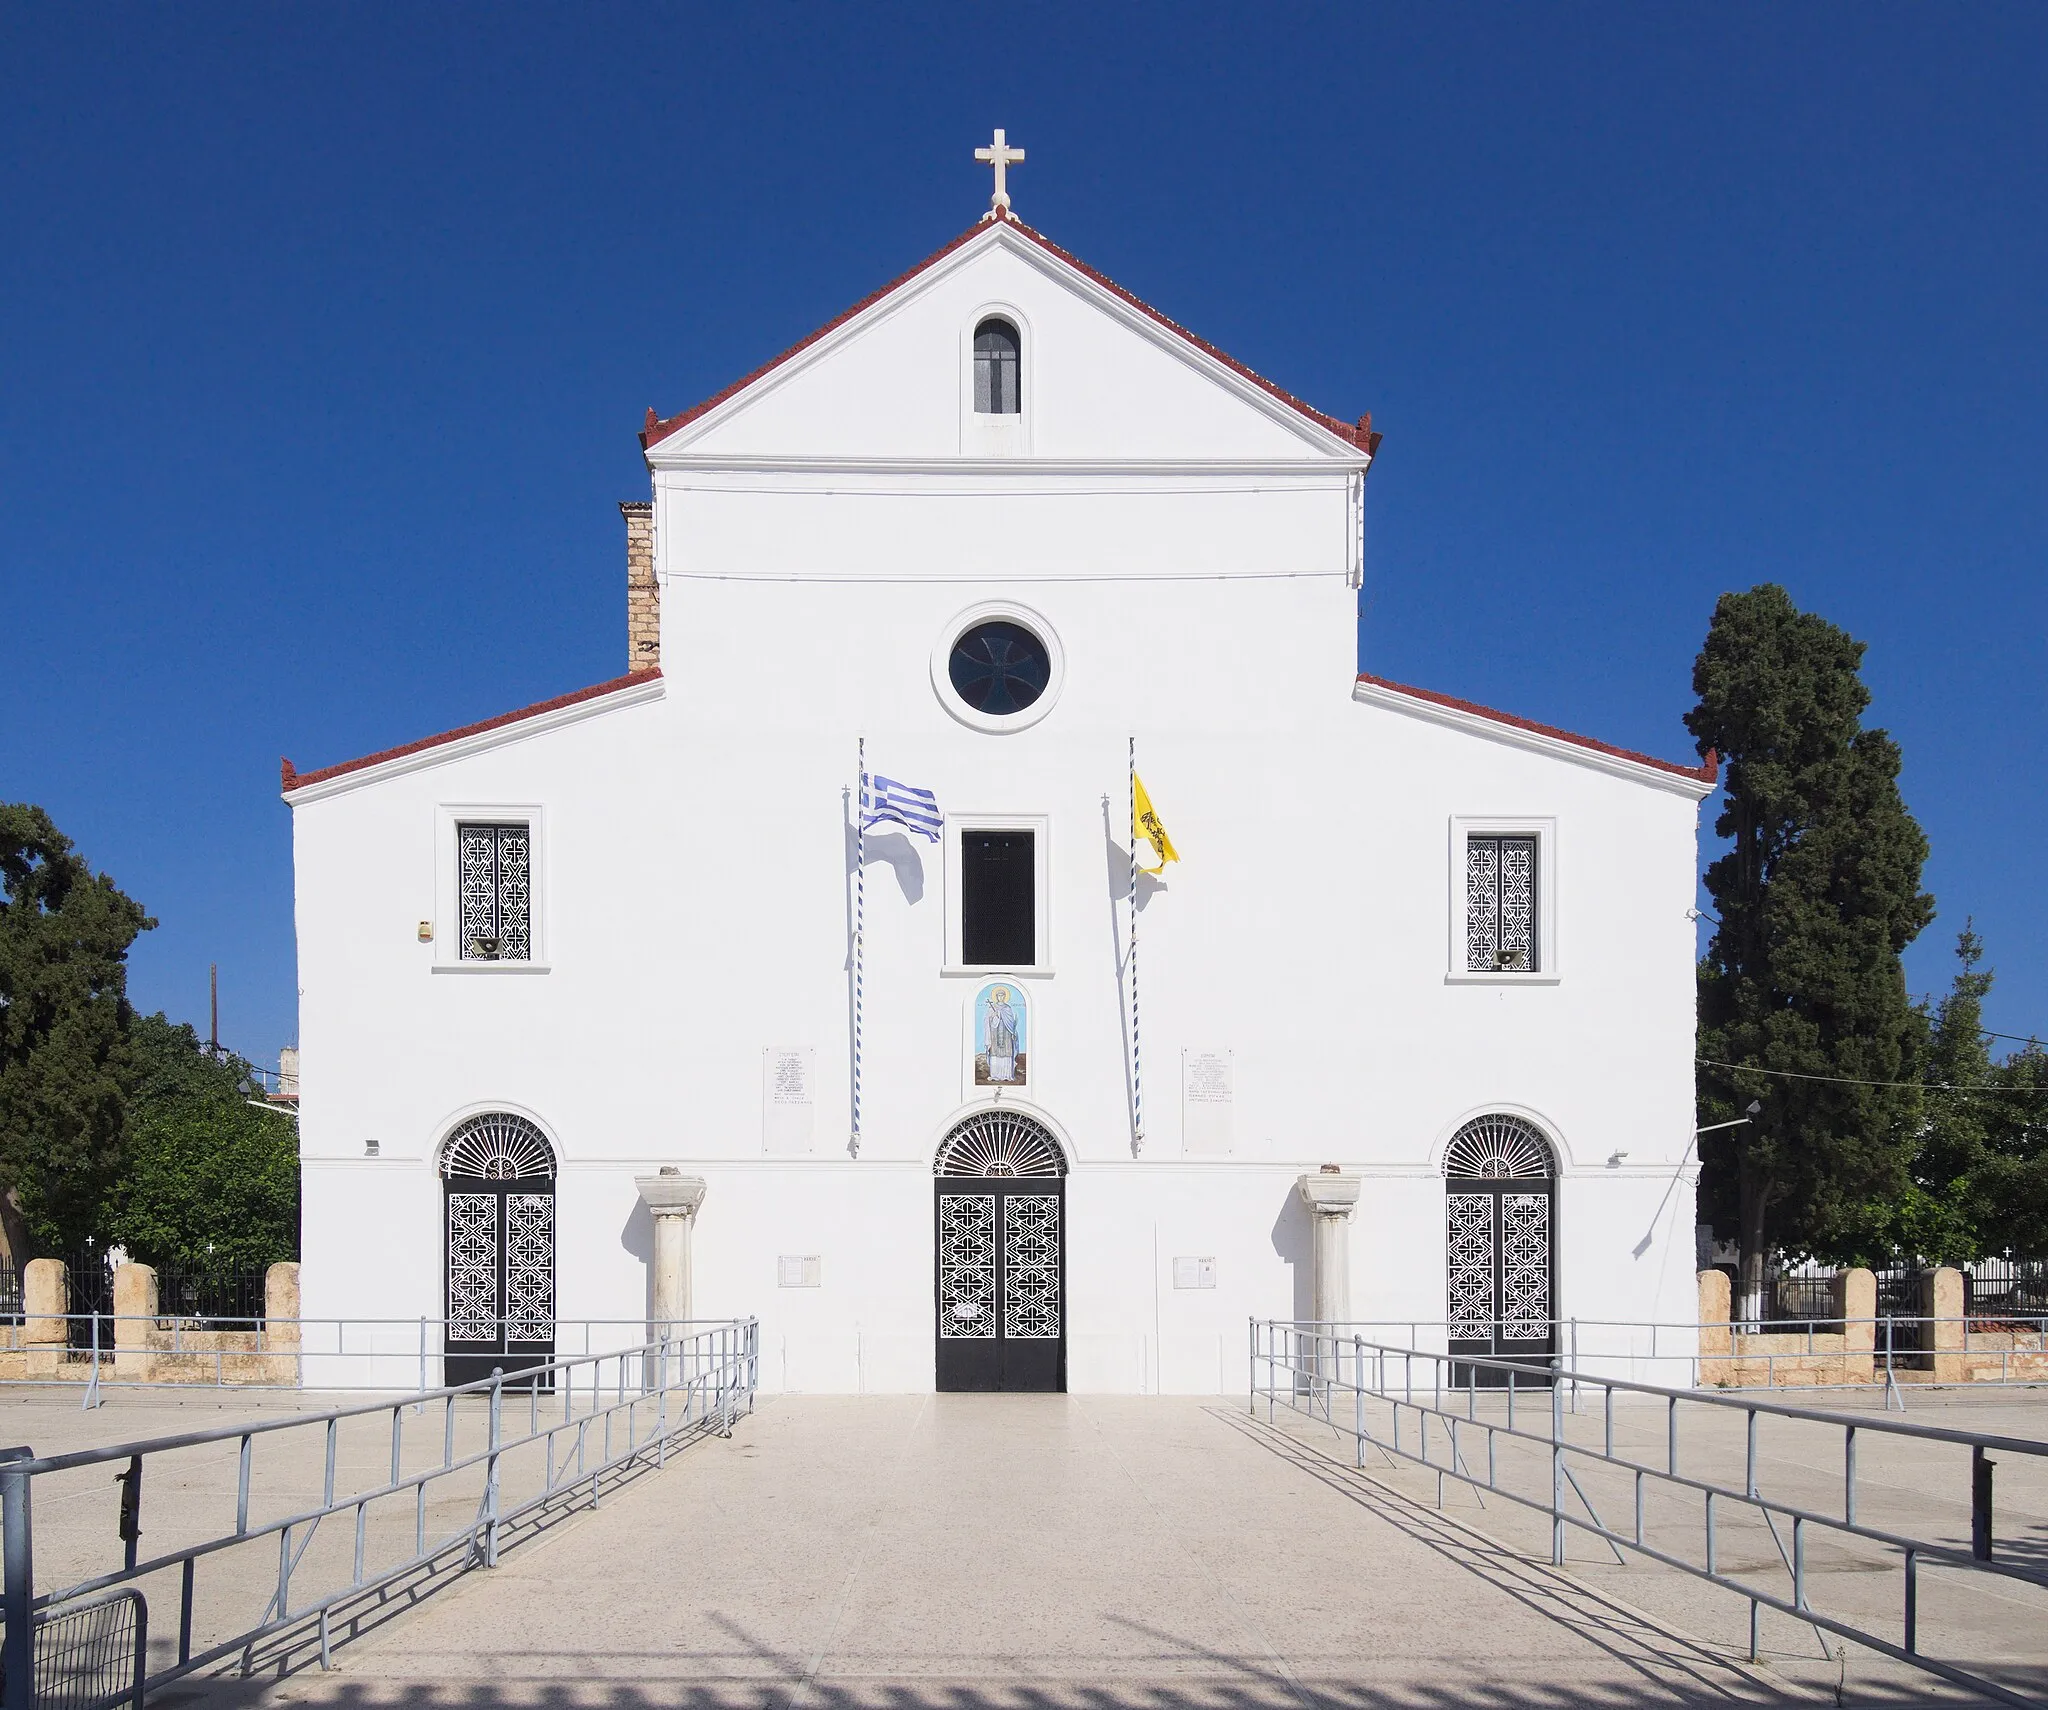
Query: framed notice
{"x": 1208, "y": 1097}
{"x": 788, "y": 1073}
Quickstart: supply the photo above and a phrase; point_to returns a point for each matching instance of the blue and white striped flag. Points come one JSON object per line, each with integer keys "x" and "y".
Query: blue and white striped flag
{"x": 884, "y": 801}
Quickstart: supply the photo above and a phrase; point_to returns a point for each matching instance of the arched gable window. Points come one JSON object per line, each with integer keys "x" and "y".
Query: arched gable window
{"x": 996, "y": 391}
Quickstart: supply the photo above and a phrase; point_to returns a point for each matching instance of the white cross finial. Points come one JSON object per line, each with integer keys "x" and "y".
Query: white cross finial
{"x": 1001, "y": 156}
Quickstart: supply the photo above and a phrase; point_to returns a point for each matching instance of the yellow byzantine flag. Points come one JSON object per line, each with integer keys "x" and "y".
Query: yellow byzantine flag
{"x": 1147, "y": 828}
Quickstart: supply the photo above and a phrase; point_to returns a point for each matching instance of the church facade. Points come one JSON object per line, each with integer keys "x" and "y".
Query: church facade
{"x": 816, "y": 953}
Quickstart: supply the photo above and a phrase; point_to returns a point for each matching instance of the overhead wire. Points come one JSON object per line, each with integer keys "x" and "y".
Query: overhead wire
{"x": 1854, "y": 1081}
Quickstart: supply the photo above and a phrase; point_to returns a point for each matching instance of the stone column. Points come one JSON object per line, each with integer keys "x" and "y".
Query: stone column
{"x": 1330, "y": 1195}
{"x": 673, "y": 1199}
{"x": 45, "y": 1299}
{"x": 134, "y": 1319}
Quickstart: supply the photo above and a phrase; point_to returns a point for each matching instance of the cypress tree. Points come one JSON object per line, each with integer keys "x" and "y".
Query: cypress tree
{"x": 1817, "y": 895}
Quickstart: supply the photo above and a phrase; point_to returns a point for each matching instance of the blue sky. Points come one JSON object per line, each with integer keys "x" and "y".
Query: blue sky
{"x": 325, "y": 332}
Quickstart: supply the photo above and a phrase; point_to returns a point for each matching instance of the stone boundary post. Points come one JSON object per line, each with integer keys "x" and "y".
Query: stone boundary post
{"x": 135, "y": 1306}
{"x": 1854, "y": 1296}
{"x": 45, "y": 1301}
{"x": 1941, "y": 1299}
{"x": 281, "y": 1334}
{"x": 1716, "y": 1343}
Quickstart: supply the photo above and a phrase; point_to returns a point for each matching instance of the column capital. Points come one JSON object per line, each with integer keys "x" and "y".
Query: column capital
{"x": 669, "y": 1195}
{"x": 1329, "y": 1195}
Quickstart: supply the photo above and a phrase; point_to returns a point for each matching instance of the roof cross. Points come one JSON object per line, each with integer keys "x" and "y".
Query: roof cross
{"x": 1001, "y": 156}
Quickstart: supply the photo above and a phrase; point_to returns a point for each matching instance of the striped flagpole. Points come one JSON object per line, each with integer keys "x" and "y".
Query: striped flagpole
{"x": 860, "y": 924}
{"x": 1137, "y": 1071}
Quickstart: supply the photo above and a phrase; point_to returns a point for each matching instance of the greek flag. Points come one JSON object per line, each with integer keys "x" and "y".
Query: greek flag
{"x": 883, "y": 800}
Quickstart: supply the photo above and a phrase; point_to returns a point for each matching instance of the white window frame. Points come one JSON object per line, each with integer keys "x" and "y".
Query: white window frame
{"x": 1009, "y": 611}
{"x": 1548, "y": 971}
{"x": 1040, "y": 826}
{"x": 997, "y": 436}
{"x": 447, "y": 922}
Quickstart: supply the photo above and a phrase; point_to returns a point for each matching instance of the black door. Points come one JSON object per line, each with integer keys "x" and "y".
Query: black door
{"x": 501, "y": 1278}
{"x": 1500, "y": 1240}
{"x": 1001, "y": 1283}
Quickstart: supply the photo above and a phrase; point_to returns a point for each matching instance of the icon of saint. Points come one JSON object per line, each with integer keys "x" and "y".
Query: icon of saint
{"x": 1000, "y": 1022}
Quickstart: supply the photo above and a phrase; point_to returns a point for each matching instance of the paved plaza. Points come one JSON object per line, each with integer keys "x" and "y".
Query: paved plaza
{"x": 963, "y": 1551}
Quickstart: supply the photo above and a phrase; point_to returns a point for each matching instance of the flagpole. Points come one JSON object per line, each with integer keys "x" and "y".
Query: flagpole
{"x": 860, "y": 921}
{"x": 1137, "y": 1073}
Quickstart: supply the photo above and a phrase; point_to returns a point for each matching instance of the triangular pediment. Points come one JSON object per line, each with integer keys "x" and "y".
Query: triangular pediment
{"x": 1105, "y": 378}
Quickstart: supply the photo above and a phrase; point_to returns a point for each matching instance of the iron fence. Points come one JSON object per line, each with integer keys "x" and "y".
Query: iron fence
{"x": 225, "y": 1293}
{"x": 398, "y": 1505}
{"x": 1535, "y": 1449}
{"x": 2005, "y": 1289}
{"x": 91, "y": 1279}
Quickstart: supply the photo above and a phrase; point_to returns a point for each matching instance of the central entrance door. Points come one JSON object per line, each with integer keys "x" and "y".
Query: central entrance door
{"x": 1000, "y": 1220}
{"x": 499, "y": 1224}
{"x": 1500, "y": 1238}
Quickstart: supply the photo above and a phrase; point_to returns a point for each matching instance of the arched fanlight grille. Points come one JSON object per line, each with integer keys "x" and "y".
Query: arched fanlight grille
{"x": 498, "y": 1147}
{"x": 1489, "y": 1148}
{"x": 1001, "y": 1143}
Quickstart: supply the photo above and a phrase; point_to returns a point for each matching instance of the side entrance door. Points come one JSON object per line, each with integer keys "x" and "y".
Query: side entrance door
{"x": 1001, "y": 1283}
{"x": 1499, "y": 1242}
{"x": 501, "y": 1277}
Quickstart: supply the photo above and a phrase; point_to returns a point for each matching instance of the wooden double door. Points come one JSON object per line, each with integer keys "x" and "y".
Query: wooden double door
{"x": 1001, "y": 1283}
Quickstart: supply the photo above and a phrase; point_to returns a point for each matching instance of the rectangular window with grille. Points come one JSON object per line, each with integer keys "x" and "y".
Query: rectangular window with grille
{"x": 1500, "y": 905}
{"x": 494, "y": 890}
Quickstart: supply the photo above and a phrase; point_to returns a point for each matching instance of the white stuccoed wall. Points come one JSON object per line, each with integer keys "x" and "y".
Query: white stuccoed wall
{"x": 693, "y": 858}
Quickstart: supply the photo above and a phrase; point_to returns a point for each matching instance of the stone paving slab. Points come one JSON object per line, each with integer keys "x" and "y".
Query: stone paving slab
{"x": 1027, "y": 1550}
{"x": 986, "y": 1552}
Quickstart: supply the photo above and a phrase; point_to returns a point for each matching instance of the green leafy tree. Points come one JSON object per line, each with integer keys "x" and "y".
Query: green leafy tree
{"x": 1936, "y": 1213}
{"x": 64, "y": 1019}
{"x": 2010, "y": 1185}
{"x": 209, "y": 1180}
{"x": 1817, "y": 895}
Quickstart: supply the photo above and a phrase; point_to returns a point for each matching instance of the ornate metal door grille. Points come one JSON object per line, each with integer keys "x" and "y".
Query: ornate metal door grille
{"x": 967, "y": 1267}
{"x": 1001, "y": 1267}
{"x": 494, "y": 888}
{"x": 1470, "y": 1242}
{"x": 1500, "y": 905}
{"x": 500, "y": 1252}
{"x": 1031, "y": 1266}
{"x": 1500, "y": 1246}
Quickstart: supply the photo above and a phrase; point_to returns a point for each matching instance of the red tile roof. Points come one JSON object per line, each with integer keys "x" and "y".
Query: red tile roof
{"x": 1359, "y": 433}
{"x": 1706, "y": 772}
{"x": 293, "y": 779}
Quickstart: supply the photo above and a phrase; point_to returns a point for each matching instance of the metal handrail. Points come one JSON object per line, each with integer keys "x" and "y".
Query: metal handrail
{"x": 1313, "y": 1359}
{"x": 661, "y": 1392}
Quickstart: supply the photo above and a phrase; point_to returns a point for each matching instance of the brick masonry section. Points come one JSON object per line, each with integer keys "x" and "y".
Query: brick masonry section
{"x": 643, "y": 593}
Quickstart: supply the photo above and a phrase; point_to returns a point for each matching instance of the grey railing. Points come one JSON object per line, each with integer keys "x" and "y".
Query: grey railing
{"x": 420, "y": 1486}
{"x": 1902, "y": 1350}
{"x": 380, "y": 1354}
{"x": 1515, "y": 1415}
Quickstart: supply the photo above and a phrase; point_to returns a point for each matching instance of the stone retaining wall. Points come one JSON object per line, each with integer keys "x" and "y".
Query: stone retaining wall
{"x": 1790, "y": 1360}
{"x": 150, "y": 1349}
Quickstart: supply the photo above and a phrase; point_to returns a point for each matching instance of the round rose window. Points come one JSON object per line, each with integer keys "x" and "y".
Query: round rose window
{"x": 999, "y": 667}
